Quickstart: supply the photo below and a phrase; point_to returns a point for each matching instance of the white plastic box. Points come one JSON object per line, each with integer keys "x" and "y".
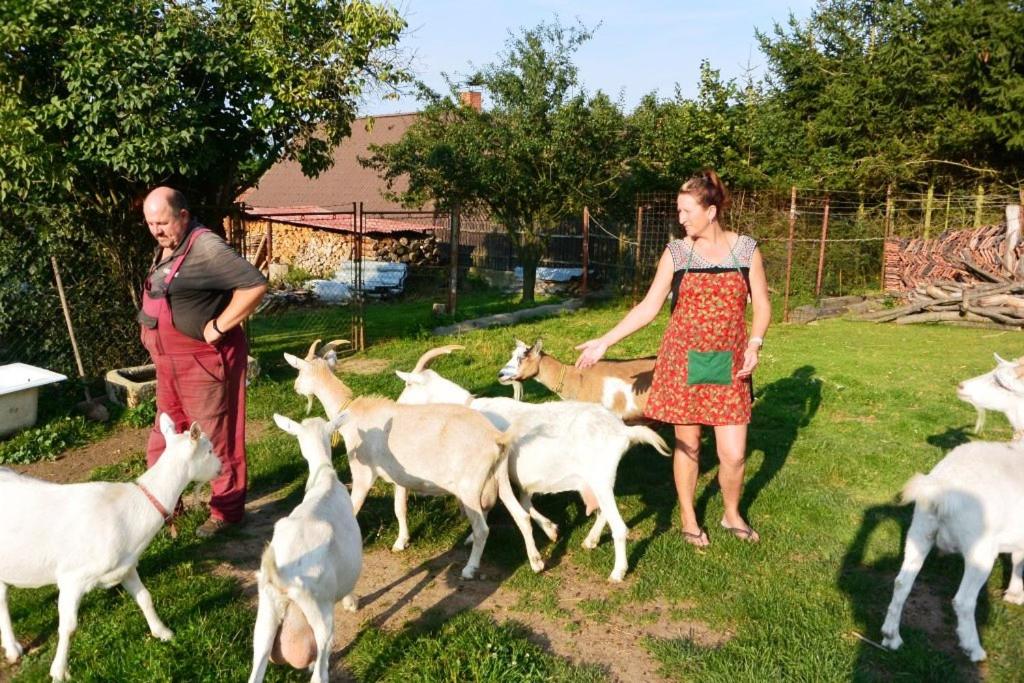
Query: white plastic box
{"x": 19, "y": 394}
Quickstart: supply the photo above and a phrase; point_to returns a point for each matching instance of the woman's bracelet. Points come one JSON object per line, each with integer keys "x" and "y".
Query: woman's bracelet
{"x": 216, "y": 328}
{"x": 756, "y": 340}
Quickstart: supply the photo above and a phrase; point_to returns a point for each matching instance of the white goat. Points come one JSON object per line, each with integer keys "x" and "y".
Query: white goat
{"x": 971, "y": 503}
{"x": 559, "y": 446}
{"x": 1001, "y": 389}
{"x": 621, "y": 386}
{"x": 437, "y": 451}
{"x": 313, "y": 560}
{"x": 80, "y": 536}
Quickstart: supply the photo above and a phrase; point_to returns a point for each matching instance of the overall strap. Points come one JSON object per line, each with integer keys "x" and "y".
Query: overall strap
{"x": 173, "y": 270}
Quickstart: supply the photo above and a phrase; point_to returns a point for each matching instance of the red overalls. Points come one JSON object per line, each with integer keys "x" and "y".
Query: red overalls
{"x": 201, "y": 382}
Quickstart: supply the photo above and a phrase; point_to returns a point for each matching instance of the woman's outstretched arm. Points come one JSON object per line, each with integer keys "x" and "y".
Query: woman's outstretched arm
{"x": 639, "y": 316}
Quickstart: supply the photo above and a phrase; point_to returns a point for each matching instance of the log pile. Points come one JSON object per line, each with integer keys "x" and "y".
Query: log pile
{"x": 965, "y": 256}
{"x": 321, "y": 251}
{"x": 989, "y": 304}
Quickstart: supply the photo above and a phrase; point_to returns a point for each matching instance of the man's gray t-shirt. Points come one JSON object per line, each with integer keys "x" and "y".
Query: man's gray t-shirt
{"x": 203, "y": 285}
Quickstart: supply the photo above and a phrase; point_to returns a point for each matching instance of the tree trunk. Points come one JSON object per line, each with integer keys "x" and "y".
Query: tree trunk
{"x": 529, "y": 261}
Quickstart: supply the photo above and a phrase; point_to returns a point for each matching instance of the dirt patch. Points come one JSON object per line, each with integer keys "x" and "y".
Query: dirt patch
{"x": 76, "y": 464}
{"x": 362, "y": 366}
{"x": 397, "y": 588}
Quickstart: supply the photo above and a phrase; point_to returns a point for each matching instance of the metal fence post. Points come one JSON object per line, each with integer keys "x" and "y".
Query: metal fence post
{"x": 586, "y": 250}
{"x": 453, "y": 275}
{"x": 789, "y": 252}
{"x": 821, "y": 250}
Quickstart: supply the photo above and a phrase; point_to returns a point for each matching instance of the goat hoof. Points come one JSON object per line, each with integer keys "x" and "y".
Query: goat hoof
{"x": 977, "y": 655}
{"x": 617, "y": 576}
{"x": 350, "y": 603}
{"x": 552, "y": 533}
{"x": 59, "y": 674}
{"x": 892, "y": 642}
{"x": 468, "y": 573}
{"x": 399, "y": 546}
{"x": 165, "y": 634}
{"x": 537, "y": 564}
{"x": 589, "y": 543}
{"x": 13, "y": 654}
{"x": 1014, "y": 598}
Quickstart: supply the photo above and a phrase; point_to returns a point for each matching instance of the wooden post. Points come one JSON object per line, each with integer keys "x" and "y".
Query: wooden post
{"x": 586, "y": 250}
{"x": 453, "y": 273}
{"x": 979, "y": 204}
{"x": 885, "y": 232}
{"x": 789, "y": 252}
{"x": 639, "y": 244}
{"x": 949, "y": 197}
{"x": 928, "y": 209}
{"x": 821, "y": 249}
{"x": 270, "y": 244}
{"x": 1012, "y": 237}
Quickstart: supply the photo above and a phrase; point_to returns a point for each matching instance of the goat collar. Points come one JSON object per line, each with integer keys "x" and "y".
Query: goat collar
{"x": 559, "y": 385}
{"x": 156, "y": 503}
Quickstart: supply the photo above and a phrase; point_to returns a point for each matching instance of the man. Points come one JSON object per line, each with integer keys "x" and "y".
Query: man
{"x": 196, "y": 295}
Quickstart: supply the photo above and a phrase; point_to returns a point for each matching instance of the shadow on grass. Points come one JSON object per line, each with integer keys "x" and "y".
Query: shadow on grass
{"x": 930, "y": 650}
{"x": 781, "y": 409}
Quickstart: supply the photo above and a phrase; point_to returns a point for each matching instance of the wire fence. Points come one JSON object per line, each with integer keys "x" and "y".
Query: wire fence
{"x": 814, "y": 243}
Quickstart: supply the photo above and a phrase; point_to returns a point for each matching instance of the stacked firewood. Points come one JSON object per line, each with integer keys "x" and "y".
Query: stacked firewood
{"x": 285, "y": 298}
{"x": 989, "y": 304}
{"x": 412, "y": 250}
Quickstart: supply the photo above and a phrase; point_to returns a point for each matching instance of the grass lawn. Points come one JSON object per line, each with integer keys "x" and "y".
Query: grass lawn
{"x": 846, "y": 412}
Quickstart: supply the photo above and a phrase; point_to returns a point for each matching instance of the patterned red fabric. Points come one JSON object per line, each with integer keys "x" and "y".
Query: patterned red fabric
{"x": 709, "y": 316}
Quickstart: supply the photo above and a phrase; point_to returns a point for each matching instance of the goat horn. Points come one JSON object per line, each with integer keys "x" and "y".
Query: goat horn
{"x": 331, "y": 345}
{"x": 430, "y": 355}
{"x": 311, "y": 354}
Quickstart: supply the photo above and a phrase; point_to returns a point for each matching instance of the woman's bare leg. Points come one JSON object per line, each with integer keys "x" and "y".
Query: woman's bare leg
{"x": 732, "y": 454}
{"x": 685, "y": 470}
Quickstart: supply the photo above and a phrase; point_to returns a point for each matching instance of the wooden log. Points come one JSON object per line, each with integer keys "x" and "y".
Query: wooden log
{"x": 996, "y": 316}
{"x": 970, "y": 265}
{"x": 936, "y": 317}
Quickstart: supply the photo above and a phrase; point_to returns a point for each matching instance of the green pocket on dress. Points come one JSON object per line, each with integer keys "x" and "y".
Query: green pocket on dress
{"x": 708, "y": 367}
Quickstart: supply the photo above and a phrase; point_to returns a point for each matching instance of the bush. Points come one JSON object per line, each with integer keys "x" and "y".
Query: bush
{"x": 47, "y": 441}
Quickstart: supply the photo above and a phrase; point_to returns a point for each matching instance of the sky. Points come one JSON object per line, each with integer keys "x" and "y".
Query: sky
{"x": 641, "y": 45}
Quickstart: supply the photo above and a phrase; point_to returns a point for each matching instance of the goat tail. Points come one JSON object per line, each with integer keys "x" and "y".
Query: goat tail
{"x": 506, "y": 439}
{"x": 268, "y": 570}
{"x": 921, "y": 490}
{"x": 642, "y": 434}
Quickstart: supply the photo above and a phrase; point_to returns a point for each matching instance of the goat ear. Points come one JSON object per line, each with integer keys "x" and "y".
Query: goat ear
{"x": 167, "y": 427}
{"x": 1002, "y": 362}
{"x": 285, "y": 423}
{"x": 338, "y": 420}
{"x": 295, "y": 361}
{"x": 194, "y": 432}
{"x": 410, "y": 377}
{"x": 537, "y": 346}
{"x": 332, "y": 358}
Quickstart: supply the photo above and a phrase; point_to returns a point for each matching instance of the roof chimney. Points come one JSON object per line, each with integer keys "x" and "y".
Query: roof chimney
{"x": 471, "y": 98}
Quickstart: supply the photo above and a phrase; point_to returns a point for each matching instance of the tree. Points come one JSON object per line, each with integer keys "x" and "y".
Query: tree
{"x": 101, "y": 101}
{"x": 902, "y": 91}
{"x": 539, "y": 153}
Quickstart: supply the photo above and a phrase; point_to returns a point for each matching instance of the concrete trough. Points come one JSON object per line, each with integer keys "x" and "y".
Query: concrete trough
{"x": 133, "y": 386}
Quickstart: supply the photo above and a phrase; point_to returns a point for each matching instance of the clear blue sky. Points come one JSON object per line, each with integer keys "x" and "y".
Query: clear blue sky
{"x": 642, "y": 45}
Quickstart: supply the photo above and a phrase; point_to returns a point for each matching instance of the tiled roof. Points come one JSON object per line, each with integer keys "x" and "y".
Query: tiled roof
{"x": 342, "y": 184}
{"x": 318, "y": 217}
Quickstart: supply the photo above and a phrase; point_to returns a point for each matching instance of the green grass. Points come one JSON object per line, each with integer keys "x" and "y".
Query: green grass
{"x": 846, "y": 412}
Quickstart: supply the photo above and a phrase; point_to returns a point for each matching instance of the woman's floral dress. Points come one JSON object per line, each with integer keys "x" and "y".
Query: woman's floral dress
{"x": 709, "y": 309}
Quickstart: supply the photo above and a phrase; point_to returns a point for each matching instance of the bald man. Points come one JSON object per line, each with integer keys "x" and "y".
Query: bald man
{"x": 196, "y": 295}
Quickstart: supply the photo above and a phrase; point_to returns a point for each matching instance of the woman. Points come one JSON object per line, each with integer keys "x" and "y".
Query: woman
{"x": 702, "y": 376}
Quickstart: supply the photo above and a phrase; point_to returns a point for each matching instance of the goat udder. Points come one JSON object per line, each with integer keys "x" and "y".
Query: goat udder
{"x": 294, "y": 643}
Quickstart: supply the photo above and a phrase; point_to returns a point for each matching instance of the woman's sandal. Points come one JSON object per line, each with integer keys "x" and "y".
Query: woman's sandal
{"x": 696, "y": 539}
{"x": 743, "y": 533}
